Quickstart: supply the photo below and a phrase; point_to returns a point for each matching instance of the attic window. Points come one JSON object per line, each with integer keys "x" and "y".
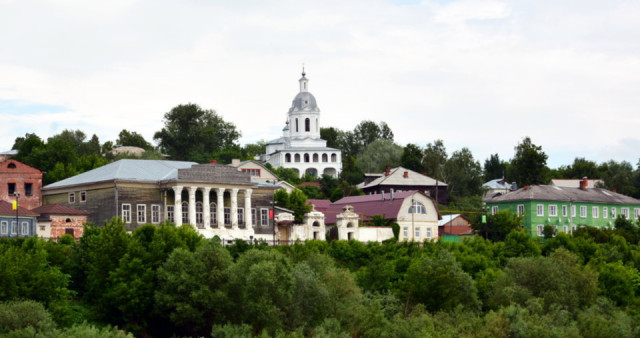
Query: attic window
{"x": 306, "y": 102}
{"x": 68, "y": 220}
{"x": 11, "y": 166}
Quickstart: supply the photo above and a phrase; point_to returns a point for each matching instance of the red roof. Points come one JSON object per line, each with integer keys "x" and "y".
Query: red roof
{"x": 6, "y": 208}
{"x": 369, "y": 205}
{"x": 320, "y": 205}
{"x": 59, "y": 209}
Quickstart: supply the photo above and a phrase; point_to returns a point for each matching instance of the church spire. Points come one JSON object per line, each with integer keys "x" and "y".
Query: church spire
{"x": 304, "y": 81}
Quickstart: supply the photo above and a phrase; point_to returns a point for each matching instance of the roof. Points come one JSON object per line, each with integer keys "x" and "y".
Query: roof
{"x": 6, "y": 208}
{"x": 575, "y": 182}
{"x": 59, "y": 209}
{"x": 397, "y": 177}
{"x": 127, "y": 169}
{"x": 370, "y": 205}
{"x": 304, "y": 101}
{"x": 498, "y": 183}
{"x": 562, "y": 194}
{"x": 319, "y": 205}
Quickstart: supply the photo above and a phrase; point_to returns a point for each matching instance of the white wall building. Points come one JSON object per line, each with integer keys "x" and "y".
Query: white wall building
{"x": 300, "y": 147}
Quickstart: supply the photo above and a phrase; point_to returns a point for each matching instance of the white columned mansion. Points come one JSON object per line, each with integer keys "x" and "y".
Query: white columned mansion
{"x": 300, "y": 147}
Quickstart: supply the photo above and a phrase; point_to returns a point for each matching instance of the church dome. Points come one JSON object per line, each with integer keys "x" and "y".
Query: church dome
{"x": 304, "y": 101}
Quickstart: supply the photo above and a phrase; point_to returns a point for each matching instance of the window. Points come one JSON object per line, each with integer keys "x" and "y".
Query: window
{"x": 417, "y": 232}
{"x": 307, "y": 124}
{"x": 264, "y": 216}
{"x": 325, "y": 158}
{"x": 227, "y": 216}
{"x": 287, "y": 158}
{"x": 296, "y": 125}
{"x": 540, "y": 230}
{"x": 185, "y": 213}
{"x": 540, "y": 210}
{"x": 83, "y": 196}
{"x": 296, "y": 158}
{"x": 595, "y": 212}
{"x": 334, "y": 158}
{"x": 625, "y": 212}
{"x": 405, "y": 232}
{"x": 11, "y": 188}
{"x": 4, "y": 227}
{"x": 72, "y": 197}
{"x": 240, "y": 216}
{"x": 14, "y": 227}
{"x": 28, "y": 189}
{"x": 565, "y": 229}
{"x": 583, "y": 211}
{"x": 417, "y": 208}
{"x": 155, "y": 214}
{"x": 170, "y": 213}
{"x": 214, "y": 213}
{"x": 613, "y": 212}
{"x": 306, "y": 158}
{"x": 141, "y": 213}
{"x": 254, "y": 215}
{"x": 199, "y": 211}
{"x": 25, "y": 228}
{"x": 553, "y": 210}
{"x": 315, "y": 157}
{"x": 636, "y": 213}
{"x": 520, "y": 209}
{"x": 605, "y": 212}
{"x": 428, "y": 232}
{"x": 256, "y": 172}
{"x": 126, "y": 213}
{"x": 573, "y": 211}
{"x": 494, "y": 210}
{"x": 573, "y": 228}
{"x": 565, "y": 211}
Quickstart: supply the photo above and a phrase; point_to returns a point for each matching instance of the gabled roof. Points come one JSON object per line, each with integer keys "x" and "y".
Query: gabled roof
{"x": 575, "y": 182}
{"x": 59, "y": 209}
{"x": 368, "y": 206}
{"x": 129, "y": 170}
{"x": 6, "y": 208}
{"x": 448, "y": 218}
{"x": 397, "y": 177}
{"x": 562, "y": 194}
{"x": 498, "y": 183}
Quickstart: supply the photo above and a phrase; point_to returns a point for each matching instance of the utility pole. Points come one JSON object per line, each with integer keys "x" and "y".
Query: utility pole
{"x": 17, "y": 207}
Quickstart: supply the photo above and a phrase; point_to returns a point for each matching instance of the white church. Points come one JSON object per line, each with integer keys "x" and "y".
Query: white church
{"x": 300, "y": 147}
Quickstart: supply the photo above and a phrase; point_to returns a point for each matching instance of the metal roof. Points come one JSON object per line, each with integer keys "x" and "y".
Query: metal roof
{"x": 396, "y": 177}
{"x": 563, "y": 194}
{"x": 129, "y": 170}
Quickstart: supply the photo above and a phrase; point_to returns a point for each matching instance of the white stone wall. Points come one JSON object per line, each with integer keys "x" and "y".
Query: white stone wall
{"x": 375, "y": 234}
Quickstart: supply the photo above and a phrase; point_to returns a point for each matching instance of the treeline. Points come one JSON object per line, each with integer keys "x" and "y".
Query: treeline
{"x": 169, "y": 281}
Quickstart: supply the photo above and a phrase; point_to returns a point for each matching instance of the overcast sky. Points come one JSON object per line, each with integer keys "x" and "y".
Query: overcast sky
{"x": 477, "y": 74}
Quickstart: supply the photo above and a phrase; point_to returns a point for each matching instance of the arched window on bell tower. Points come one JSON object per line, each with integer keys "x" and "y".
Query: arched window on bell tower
{"x": 307, "y": 124}
{"x": 296, "y": 125}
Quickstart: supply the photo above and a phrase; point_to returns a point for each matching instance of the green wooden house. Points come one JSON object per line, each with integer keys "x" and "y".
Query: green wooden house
{"x": 565, "y": 208}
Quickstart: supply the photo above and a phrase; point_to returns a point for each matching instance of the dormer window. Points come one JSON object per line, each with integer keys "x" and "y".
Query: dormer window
{"x": 11, "y": 166}
{"x": 306, "y": 102}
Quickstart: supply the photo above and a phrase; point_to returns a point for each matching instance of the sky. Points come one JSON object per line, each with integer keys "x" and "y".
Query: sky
{"x": 481, "y": 74}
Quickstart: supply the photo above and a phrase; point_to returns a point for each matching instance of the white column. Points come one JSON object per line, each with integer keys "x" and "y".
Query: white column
{"x": 247, "y": 208}
{"x": 205, "y": 207}
{"x": 234, "y": 208}
{"x": 177, "y": 209}
{"x": 220, "y": 207}
{"x": 192, "y": 205}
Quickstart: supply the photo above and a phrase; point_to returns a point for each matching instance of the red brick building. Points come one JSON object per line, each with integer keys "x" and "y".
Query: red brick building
{"x": 19, "y": 178}
{"x": 56, "y": 220}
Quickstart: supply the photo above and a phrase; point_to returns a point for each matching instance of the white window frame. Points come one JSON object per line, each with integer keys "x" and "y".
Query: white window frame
{"x": 71, "y": 197}
{"x": 625, "y": 212}
{"x": 264, "y": 216}
{"x": 240, "y": 215}
{"x": 573, "y": 211}
{"x": 520, "y": 209}
{"x": 141, "y": 213}
{"x": 170, "y": 213}
{"x": 416, "y": 233}
{"x": 595, "y": 212}
{"x": 24, "y": 228}
{"x": 405, "y": 232}
{"x": 155, "y": 213}
{"x": 126, "y": 212}
{"x": 83, "y": 197}
{"x": 613, "y": 212}
{"x": 417, "y": 208}
{"x": 494, "y": 210}
{"x": 429, "y": 234}
{"x": 636, "y": 213}
{"x": 540, "y": 230}
{"x": 540, "y": 210}
{"x": 14, "y": 228}
{"x": 553, "y": 210}
{"x": 4, "y": 228}
{"x": 605, "y": 212}
{"x": 583, "y": 211}
{"x": 565, "y": 211}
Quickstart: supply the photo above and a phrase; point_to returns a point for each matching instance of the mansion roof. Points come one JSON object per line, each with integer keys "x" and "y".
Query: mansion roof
{"x": 563, "y": 194}
{"x": 402, "y": 176}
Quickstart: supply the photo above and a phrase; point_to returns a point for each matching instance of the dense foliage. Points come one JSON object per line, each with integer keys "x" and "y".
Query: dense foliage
{"x": 168, "y": 281}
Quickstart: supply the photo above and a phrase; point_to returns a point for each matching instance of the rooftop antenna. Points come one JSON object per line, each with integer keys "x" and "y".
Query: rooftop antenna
{"x": 303, "y": 73}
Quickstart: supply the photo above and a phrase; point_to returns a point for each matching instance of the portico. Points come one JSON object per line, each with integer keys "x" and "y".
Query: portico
{"x": 203, "y": 213}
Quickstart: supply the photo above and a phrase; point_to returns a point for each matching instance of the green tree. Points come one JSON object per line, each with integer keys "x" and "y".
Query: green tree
{"x": 333, "y": 136}
{"x": 191, "y": 133}
{"x": 435, "y": 157}
{"x": 379, "y": 154}
{"x": 494, "y": 168}
{"x": 529, "y": 164}
{"x": 366, "y": 132}
{"x": 132, "y": 139}
{"x": 295, "y": 201}
{"x": 619, "y": 176}
{"x": 463, "y": 174}
{"x": 412, "y": 157}
{"x": 498, "y": 225}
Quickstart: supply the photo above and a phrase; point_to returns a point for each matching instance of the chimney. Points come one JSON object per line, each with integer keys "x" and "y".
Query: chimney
{"x": 213, "y": 161}
{"x": 235, "y": 162}
{"x": 383, "y": 195}
{"x": 526, "y": 187}
{"x": 614, "y": 190}
{"x": 583, "y": 183}
{"x": 387, "y": 171}
{"x": 406, "y": 174}
{"x": 391, "y": 195}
